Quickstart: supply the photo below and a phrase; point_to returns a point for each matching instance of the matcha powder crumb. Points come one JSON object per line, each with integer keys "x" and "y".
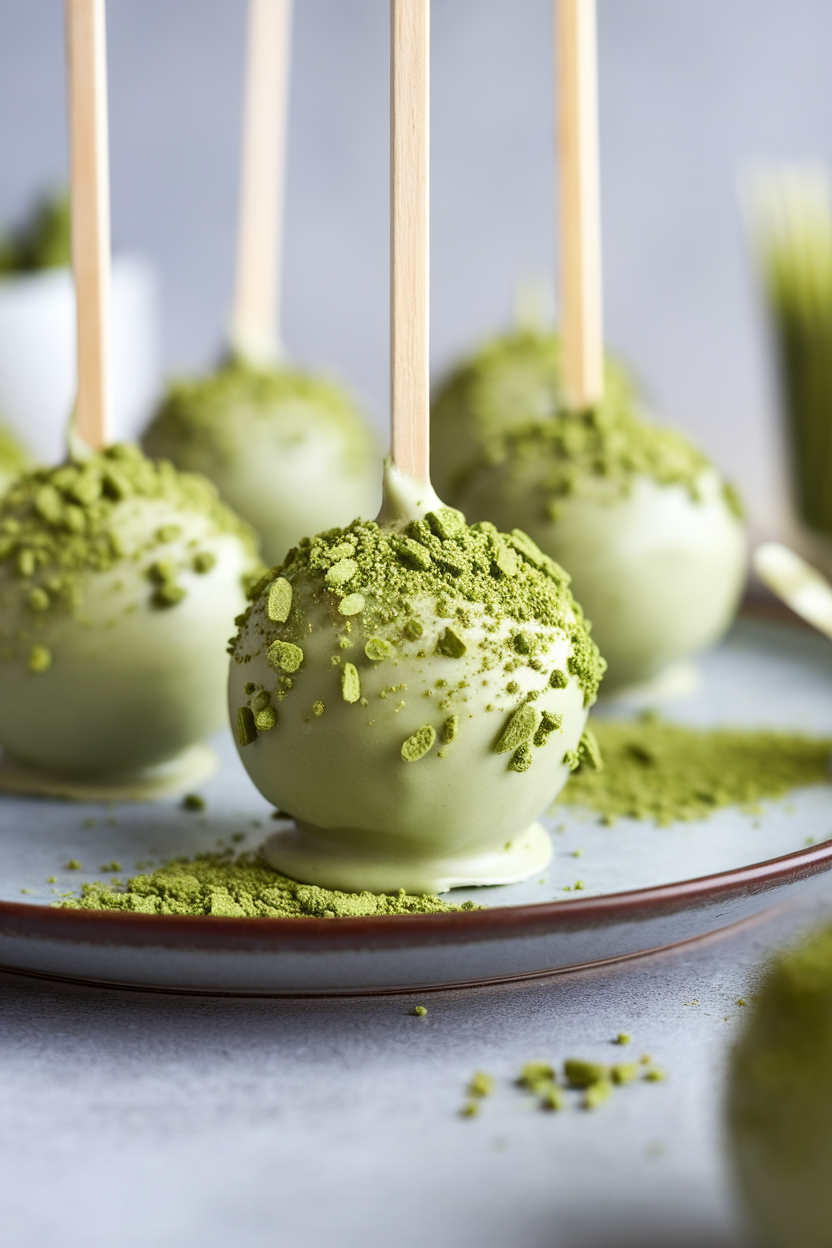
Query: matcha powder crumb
{"x": 665, "y": 772}
{"x": 219, "y": 885}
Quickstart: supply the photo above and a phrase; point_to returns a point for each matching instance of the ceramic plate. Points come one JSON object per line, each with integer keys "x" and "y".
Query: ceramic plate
{"x": 644, "y": 887}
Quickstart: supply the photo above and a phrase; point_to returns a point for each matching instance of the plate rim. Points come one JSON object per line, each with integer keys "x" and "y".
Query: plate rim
{"x": 319, "y": 935}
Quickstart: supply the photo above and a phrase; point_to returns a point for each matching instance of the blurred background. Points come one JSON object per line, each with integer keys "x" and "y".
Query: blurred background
{"x": 690, "y": 92}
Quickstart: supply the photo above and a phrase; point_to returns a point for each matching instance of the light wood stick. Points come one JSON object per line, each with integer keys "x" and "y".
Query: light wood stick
{"x": 580, "y": 214}
{"x": 255, "y": 316}
{"x": 409, "y": 236}
{"x": 90, "y": 199}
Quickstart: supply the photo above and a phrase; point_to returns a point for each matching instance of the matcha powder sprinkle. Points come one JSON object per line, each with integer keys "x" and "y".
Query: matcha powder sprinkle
{"x": 665, "y": 772}
{"x": 219, "y": 885}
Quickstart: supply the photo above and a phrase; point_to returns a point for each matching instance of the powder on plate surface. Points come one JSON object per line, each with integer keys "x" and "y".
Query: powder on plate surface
{"x": 657, "y": 770}
{"x": 243, "y": 887}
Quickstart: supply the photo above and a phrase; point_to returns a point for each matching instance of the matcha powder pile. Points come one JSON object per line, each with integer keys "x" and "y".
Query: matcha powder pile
{"x": 243, "y": 887}
{"x": 664, "y": 772}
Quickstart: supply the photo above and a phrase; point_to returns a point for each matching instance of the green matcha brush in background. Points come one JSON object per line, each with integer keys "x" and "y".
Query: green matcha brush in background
{"x": 119, "y": 578}
{"x": 789, "y": 215}
{"x": 539, "y": 431}
{"x": 411, "y": 691}
{"x": 290, "y": 451}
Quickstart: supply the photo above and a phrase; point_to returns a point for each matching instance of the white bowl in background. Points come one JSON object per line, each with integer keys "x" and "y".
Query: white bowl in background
{"x": 37, "y": 354}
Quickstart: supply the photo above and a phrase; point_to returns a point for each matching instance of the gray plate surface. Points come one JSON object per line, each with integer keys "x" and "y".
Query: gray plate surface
{"x": 644, "y": 887}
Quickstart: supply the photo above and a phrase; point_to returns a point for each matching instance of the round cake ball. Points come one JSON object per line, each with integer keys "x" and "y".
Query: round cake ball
{"x": 291, "y": 453}
{"x": 13, "y": 459}
{"x": 413, "y": 693}
{"x": 779, "y": 1104}
{"x": 510, "y": 383}
{"x": 651, "y": 536}
{"x": 119, "y": 583}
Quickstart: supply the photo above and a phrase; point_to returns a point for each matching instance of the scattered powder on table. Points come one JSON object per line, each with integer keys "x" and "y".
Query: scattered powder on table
{"x": 243, "y": 887}
{"x": 583, "y": 1084}
{"x": 657, "y": 770}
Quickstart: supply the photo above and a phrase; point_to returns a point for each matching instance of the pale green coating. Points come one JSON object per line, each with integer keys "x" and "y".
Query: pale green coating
{"x": 406, "y": 780}
{"x": 658, "y": 572}
{"x": 111, "y": 639}
{"x": 651, "y": 536}
{"x": 290, "y": 452}
{"x": 779, "y": 1102}
{"x": 13, "y": 459}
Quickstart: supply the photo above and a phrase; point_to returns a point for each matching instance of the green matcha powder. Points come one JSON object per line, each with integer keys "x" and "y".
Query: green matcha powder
{"x": 666, "y": 773}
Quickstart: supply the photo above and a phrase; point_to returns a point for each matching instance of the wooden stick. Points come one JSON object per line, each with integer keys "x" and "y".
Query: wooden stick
{"x": 255, "y": 316}
{"x": 90, "y": 199}
{"x": 409, "y": 236}
{"x": 580, "y": 215}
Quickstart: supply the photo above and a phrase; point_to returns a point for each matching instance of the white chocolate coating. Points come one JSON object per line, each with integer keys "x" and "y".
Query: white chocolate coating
{"x": 657, "y": 572}
{"x": 390, "y": 762}
{"x": 129, "y": 685}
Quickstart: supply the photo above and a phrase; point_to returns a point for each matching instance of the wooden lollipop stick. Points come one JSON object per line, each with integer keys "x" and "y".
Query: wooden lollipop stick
{"x": 255, "y": 317}
{"x": 580, "y": 214}
{"x": 90, "y": 199}
{"x": 409, "y": 235}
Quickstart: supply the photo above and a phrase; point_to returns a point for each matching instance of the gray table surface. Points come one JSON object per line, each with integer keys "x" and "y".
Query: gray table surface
{"x": 135, "y": 1118}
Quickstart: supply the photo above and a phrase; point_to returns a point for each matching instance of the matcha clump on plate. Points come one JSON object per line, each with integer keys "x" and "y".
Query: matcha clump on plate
{"x": 245, "y": 887}
{"x": 119, "y": 581}
{"x": 414, "y": 694}
{"x": 650, "y": 534}
{"x": 290, "y": 452}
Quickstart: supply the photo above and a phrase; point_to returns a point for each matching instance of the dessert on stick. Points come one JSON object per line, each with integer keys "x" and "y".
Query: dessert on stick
{"x": 289, "y": 450}
{"x": 119, "y": 578}
{"x": 410, "y": 690}
{"x": 556, "y": 442}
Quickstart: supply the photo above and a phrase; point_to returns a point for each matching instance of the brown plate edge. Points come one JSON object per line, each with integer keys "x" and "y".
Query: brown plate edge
{"x": 407, "y": 931}
{"x": 396, "y": 991}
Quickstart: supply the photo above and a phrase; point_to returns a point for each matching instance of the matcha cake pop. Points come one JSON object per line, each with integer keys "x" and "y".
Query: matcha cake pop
{"x": 411, "y": 690}
{"x": 289, "y": 450}
{"x": 119, "y": 579}
{"x": 538, "y": 432}
{"x": 650, "y": 533}
{"x": 779, "y": 1101}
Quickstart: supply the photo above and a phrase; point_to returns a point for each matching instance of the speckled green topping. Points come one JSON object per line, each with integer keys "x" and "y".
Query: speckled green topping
{"x": 196, "y": 411}
{"x": 57, "y": 524}
{"x": 511, "y": 393}
{"x": 42, "y": 242}
{"x": 218, "y": 884}
{"x": 473, "y": 577}
{"x": 661, "y": 771}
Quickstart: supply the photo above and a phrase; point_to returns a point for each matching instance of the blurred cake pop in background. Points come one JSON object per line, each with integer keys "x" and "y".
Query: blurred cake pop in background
{"x": 650, "y": 534}
{"x": 779, "y": 1100}
{"x": 543, "y": 433}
